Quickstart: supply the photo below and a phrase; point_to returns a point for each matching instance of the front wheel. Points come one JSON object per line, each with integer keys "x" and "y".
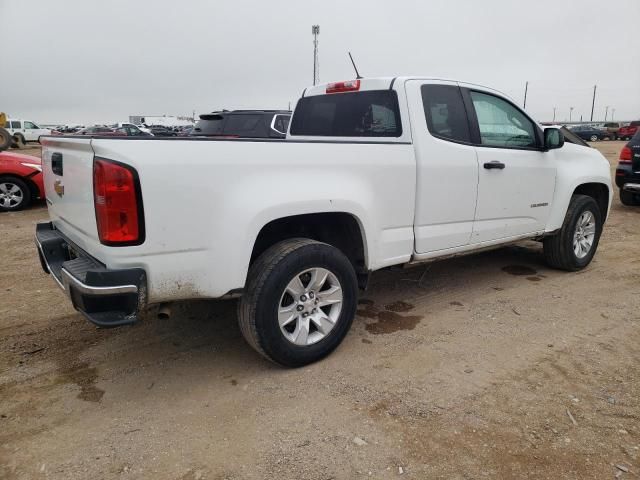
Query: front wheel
{"x": 574, "y": 246}
{"x": 14, "y": 194}
{"x": 594, "y": 138}
{"x": 299, "y": 302}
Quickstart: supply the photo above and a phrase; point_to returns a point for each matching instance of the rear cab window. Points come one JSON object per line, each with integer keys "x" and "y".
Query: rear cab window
{"x": 369, "y": 113}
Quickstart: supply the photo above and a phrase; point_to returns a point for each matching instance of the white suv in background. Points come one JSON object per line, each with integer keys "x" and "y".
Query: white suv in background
{"x": 25, "y": 130}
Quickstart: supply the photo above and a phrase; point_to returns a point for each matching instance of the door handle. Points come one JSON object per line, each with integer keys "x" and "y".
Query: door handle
{"x": 494, "y": 164}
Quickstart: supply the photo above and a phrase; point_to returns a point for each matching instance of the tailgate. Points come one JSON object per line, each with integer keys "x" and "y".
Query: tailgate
{"x": 67, "y": 165}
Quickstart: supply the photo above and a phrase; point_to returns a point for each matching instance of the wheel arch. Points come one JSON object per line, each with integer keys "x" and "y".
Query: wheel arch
{"x": 599, "y": 192}
{"x": 343, "y": 230}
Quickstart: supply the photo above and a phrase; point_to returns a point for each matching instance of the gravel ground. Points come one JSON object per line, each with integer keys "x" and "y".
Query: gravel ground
{"x": 488, "y": 366}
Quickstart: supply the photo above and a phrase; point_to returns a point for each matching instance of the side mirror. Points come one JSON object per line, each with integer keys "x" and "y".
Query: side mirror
{"x": 553, "y": 138}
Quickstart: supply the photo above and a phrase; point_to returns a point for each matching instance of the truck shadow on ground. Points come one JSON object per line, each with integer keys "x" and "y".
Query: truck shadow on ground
{"x": 206, "y": 333}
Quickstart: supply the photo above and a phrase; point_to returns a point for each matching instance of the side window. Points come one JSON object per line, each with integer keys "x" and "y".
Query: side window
{"x": 30, "y": 125}
{"x": 445, "y": 112}
{"x": 16, "y": 124}
{"x": 281, "y": 123}
{"x": 501, "y": 124}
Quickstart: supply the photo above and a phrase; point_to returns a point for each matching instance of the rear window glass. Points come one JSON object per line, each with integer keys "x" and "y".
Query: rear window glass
{"x": 210, "y": 125}
{"x": 371, "y": 113}
{"x": 241, "y": 124}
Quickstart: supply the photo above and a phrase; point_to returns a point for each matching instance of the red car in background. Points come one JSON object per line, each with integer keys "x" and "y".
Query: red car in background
{"x": 20, "y": 181}
{"x": 625, "y": 133}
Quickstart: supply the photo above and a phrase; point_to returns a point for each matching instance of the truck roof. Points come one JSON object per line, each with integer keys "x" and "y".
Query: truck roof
{"x": 383, "y": 83}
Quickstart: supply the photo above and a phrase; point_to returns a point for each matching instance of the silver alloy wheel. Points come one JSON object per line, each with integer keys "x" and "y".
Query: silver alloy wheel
{"x": 594, "y": 138}
{"x": 11, "y": 196}
{"x": 310, "y": 306}
{"x": 584, "y": 234}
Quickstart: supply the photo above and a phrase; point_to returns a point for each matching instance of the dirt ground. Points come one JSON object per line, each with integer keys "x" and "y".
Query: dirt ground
{"x": 488, "y": 366}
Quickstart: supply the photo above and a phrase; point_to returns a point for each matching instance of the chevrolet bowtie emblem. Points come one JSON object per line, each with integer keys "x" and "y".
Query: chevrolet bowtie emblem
{"x": 59, "y": 188}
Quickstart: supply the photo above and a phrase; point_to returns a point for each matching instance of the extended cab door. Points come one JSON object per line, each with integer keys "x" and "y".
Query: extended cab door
{"x": 447, "y": 167}
{"x": 516, "y": 178}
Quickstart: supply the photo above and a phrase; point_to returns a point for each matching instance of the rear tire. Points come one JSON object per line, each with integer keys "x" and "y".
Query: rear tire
{"x": 5, "y": 139}
{"x": 19, "y": 141}
{"x": 14, "y": 194}
{"x": 566, "y": 250}
{"x": 270, "y": 312}
{"x": 629, "y": 199}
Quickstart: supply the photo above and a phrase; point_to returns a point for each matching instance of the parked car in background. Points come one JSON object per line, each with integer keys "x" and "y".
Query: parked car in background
{"x": 628, "y": 131}
{"x": 613, "y": 128}
{"x": 587, "y": 132}
{"x": 20, "y": 181}
{"x": 102, "y": 131}
{"x": 25, "y": 130}
{"x": 133, "y": 131}
{"x": 628, "y": 172}
{"x": 373, "y": 173}
{"x": 185, "y": 131}
{"x": 161, "y": 131}
{"x": 243, "y": 124}
{"x": 569, "y": 136}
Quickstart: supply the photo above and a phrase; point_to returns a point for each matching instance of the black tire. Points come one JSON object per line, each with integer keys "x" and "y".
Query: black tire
{"x": 266, "y": 282}
{"x": 594, "y": 138}
{"x": 19, "y": 141}
{"x": 24, "y": 193}
{"x": 629, "y": 199}
{"x": 558, "y": 249}
{"x": 5, "y": 139}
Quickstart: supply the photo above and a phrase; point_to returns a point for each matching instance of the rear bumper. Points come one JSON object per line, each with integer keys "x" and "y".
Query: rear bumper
{"x": 107, "y": 297}
{"x": 631, "y": 187}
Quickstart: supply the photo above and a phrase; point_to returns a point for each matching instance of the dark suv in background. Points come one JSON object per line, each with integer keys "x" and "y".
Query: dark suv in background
{"x": 243, "y": 124}
{"x": 628, "y": 172}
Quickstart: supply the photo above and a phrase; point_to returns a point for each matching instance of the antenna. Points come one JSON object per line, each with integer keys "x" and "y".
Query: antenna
{"x": 354, "y": 66}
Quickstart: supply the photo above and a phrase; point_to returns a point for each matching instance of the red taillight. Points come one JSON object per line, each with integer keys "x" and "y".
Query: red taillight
{"x": 117, "y": 202}
{"x": 347, "y": 86}
{"x": 625, "y": 155}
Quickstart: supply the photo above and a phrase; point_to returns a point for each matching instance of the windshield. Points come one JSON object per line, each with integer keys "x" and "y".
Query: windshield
{"x": 371, "y": 113}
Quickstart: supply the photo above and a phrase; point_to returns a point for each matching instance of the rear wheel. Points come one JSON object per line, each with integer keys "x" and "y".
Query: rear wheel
{"x": 299, "y": 303}
{"x": 14, "y": 194}
{"x": 19, "y": 141}
{"x": 574, "y": 246}
{"x": 593, "y": 138}
{"x": 5, "y": 139}
{"x": 630, "y": 199}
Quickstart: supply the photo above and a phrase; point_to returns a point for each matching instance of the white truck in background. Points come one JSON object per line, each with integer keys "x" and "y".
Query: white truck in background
{"x": 373, "y": 173}
{"x": 25, "y": 130}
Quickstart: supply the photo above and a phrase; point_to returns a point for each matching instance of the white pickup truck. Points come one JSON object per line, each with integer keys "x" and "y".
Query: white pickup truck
{"x": 373, "y": 173}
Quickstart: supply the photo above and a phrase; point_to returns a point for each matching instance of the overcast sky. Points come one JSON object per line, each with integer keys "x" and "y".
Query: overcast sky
{"x": 88, "y": 61}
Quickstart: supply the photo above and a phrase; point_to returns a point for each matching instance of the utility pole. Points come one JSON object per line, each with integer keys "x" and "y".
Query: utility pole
{"x": 554, "y": 114}
{"x": 613, "y": 110}
{"x": 570, "y": 112}
{"x": 526, "y": 87}
{"x": 606, "y": 111}
{"x": 315, "y": 31}
{"x": 593, "y": 103}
